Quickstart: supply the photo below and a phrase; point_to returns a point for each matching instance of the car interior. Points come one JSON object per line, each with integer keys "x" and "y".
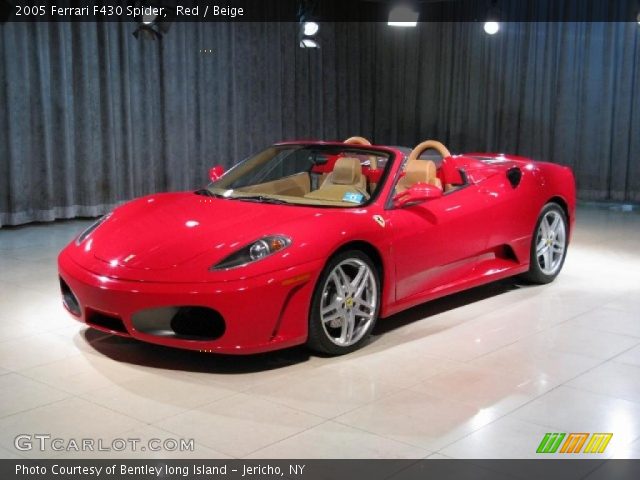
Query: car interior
{"x": 353, "y": 176}
{"x": 329, "y": 180}
{"x": 437, "y": 169}
{"x": 345, "y": 178}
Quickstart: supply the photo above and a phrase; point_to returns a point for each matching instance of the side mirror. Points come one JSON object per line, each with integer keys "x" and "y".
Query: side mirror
{"x": 216, "y": 172}
{"x": 417, "y": 193}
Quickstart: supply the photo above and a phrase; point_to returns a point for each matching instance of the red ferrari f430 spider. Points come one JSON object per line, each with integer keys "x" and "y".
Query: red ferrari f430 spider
{"x": 313, "y": 242}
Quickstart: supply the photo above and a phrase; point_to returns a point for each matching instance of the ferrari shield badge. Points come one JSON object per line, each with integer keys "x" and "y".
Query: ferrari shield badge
{"x": 379, "y": 220}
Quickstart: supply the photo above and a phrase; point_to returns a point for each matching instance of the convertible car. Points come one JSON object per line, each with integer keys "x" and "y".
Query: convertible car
{"x": 313, "y": 242}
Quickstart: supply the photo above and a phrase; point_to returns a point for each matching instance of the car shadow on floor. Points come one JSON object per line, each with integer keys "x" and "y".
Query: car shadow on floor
{"x": 132, "y": 351}
{"x": 156, "y": 356}
{"x": 445, "y": 304}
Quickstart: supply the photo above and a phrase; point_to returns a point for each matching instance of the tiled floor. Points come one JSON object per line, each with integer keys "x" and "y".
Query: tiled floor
{"x": 483, "y": 374}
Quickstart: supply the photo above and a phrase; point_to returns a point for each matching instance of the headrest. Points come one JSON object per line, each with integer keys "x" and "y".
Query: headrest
{"x": 347, "y": 171}
{"x": 419, "y": 171}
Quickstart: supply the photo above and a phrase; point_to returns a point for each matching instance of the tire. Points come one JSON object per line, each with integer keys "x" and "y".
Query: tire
{"x": 341, "y": 319}
{"x": 547, "y": 256}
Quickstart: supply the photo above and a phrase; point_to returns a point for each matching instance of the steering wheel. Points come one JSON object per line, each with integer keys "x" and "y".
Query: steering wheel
{"x": 357, "y": 141}
{"x": 427, "y": 145}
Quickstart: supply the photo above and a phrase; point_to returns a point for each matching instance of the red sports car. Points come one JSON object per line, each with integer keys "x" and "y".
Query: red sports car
{"x": 313, "y": 242}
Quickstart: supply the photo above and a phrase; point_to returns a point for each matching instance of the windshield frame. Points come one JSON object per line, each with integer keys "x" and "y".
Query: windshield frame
{"x": 358, "y": 149}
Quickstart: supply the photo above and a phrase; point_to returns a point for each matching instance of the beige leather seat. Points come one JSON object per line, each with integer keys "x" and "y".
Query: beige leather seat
{"x": 345, "y": 178}
{"x": 418, "y": 171}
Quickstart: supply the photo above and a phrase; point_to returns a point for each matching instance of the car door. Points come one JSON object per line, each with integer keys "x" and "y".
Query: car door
{"x": 437, "y": 242}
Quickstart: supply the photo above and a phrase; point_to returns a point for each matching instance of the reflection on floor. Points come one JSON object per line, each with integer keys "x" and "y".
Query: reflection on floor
{"x": 481, "y": 374}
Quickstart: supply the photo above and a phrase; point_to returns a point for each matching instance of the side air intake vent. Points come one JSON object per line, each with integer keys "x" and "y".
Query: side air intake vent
{"x": 514, "y": 175}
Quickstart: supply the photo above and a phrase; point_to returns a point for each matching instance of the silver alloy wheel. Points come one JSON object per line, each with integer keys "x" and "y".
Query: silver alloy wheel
{"x": 349, "y": 302}
{"x": 551, "y": 241}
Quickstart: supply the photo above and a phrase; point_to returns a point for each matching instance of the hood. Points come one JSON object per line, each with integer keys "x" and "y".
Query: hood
{"x": 164, "y": 231}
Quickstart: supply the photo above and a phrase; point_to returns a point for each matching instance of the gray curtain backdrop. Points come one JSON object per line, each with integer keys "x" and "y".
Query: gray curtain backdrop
{"x": 90, "y": 116}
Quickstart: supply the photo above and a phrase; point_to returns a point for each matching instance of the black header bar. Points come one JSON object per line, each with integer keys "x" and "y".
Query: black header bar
{"x": 320, "y": 10}
{"x": 548, "y": 469}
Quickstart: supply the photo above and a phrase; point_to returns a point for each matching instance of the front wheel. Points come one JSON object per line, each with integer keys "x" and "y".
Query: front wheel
{"x": 548, "y": 245}
{"x": 345, "y": 305}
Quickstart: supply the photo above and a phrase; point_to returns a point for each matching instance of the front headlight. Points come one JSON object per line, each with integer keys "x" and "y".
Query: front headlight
{"x": 83, "y": 236}
{"x": 254, "y": 251}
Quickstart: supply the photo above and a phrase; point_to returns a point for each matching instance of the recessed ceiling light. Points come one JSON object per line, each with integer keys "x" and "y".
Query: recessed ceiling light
{"x": 310, "y": 28}
{"x": 309, "y": 43}
{"x": 491, "y": 27}
{"x": 403, "y": 16}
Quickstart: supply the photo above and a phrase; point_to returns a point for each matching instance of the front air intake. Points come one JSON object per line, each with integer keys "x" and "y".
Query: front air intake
{"x": 69, "y": 299}
{"x": 107, "y": 322}
{"x": 184, "y": 322}
{"x": 198, "y": 323}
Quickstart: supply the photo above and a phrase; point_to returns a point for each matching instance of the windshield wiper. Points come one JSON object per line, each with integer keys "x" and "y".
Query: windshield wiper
{"x": 262, "y": 199}
{"x": 208, "y": 193}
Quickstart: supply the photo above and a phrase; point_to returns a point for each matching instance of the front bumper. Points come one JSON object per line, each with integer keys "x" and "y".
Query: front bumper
{"x": 262, "y": 313}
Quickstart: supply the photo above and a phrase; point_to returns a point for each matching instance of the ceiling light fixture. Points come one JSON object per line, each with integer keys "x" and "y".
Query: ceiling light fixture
{"x": 308, "y": 26}
{"x": 149, "y": 19}
{"x": 491, "y": 27}
{"x": 403, "y": 16}
{"x": 309, "y": 43}
{"x": 150, "y": 25}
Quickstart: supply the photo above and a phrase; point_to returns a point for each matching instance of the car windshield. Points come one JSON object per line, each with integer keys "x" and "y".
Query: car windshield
{"x": 321, "y": 175}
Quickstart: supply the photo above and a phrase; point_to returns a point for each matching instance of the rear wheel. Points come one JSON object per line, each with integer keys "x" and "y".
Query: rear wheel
{"x": 345, "y": 304}
{"x": 548, "y": 245}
